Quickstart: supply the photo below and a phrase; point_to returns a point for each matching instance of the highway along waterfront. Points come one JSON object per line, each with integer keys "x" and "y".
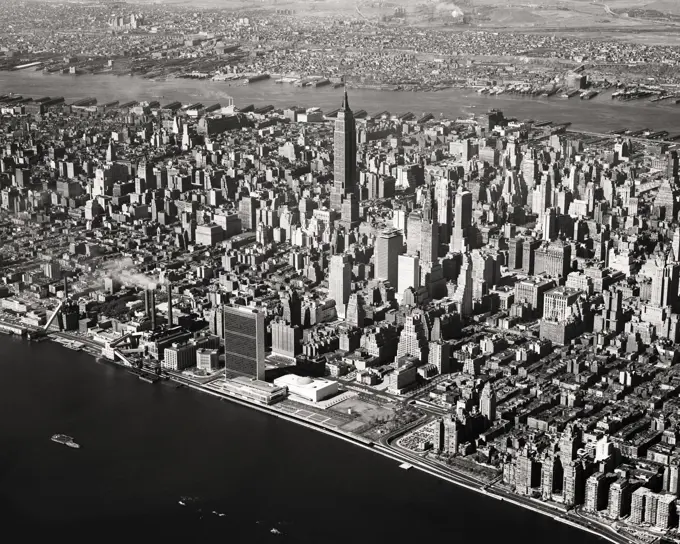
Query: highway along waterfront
{"x": 240, "y": 473}
{"x": 601, "y": 114}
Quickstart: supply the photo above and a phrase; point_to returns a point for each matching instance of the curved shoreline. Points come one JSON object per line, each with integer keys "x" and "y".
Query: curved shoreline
{"x": 455, "y": 477}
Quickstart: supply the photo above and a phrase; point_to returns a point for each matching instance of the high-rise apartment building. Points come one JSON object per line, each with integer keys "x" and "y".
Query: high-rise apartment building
{"x": 619, "y": 499}
{"x": 597, "y": 492}
{"x": 244, "y": 341}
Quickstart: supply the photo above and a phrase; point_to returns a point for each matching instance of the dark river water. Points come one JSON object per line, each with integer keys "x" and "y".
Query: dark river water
{"x": 146, "y": 446}
{"x": 601, "y": 114}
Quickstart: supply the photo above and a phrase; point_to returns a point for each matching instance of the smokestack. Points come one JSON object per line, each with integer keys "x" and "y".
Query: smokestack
{"x": 147, "y": 303}
{"x": 169, "y": 287}
{"x": 153, "y": 309}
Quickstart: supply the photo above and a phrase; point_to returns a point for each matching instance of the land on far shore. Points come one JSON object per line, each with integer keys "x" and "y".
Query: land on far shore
{"x": 656, "y": 22}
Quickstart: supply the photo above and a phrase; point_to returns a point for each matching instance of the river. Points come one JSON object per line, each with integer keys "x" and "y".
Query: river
{"x": 145, "y": 446}
{"x": 600, "y": 114}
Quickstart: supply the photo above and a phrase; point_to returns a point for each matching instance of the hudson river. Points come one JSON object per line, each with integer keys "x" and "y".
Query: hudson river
{"x": 145, "y": 446}
{"x": 601, "y": 114}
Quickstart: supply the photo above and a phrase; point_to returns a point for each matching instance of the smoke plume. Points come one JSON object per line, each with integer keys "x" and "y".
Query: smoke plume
{"x": 124, "y": 271}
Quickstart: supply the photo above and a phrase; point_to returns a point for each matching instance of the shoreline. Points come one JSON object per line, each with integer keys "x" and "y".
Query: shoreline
{"x": 598, "y": 115}
{"x": 451, "y": 476}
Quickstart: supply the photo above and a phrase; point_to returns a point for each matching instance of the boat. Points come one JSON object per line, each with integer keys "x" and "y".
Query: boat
{"x": 66, "y": 440}
{"x": 275, "y": 531}
{"x": 406, "y": 466}
{"x": 182, "y": 503}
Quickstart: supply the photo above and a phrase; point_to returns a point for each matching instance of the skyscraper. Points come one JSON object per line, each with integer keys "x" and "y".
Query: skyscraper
{"x": 388, "y": 247}
{"x": 429, "y": 232}
{"x": 340, "y": 282}
{"x": 665, "y": 280}
{"x": 244, "y": 337}
{"x": 345, "y": 156}
{"x": 462, "y": 220}
{"x": 463, "y": 294}
{"x": 487, "y": 403}
{"x": 413, "y": 338}
{"x": 409, "y": 273}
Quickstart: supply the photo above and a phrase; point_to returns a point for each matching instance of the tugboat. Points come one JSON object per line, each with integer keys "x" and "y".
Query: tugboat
{"x": 66, "y": 440}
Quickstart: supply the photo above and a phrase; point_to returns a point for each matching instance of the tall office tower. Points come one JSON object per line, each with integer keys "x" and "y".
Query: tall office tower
{"x": 529, "y": 248}
{"x": 413, "y": 339}
{"x": 487, "y": 403}
{"x": 462, "y": 220}
{"x": 345, "y": 156}
{"x": 413, "y": 232}
{"x": 111, "y": 152}
{"x": 549, "y": 225}
{"x": 530, "y": 171}
{"x": 388, "y": 247}
{"x": 676, "y": 245}
{"x": 673, "y": 166}
{"x": 462, "y": 297}
{"x": 665, "y": 283}
{"x": 611, "y": 318}
{"x": 286, "y": 339}
{"x": 244, "y": 337}
{"x": 542, "y": 198}
{"x": 666, "y": 201}
{"x": 349, "y": 216}
{"x": 485, "y": 272}
{"x": 440, "y": 356}
{"x": 443, "y": 197}
{"x": 247, "y": 212}
{"x": 340, "y": 282}
{"x": 409, "y": 273}
{"x": 515, "y": 252}
{"x": 429, "y": 233}
{"x": 291, "y": 307}
{"x": 355, "y": 314}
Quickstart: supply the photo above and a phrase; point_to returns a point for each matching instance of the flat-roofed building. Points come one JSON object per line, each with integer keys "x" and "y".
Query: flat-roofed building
{"x": 311, "y": 389}
{"x": 254, "y": 390}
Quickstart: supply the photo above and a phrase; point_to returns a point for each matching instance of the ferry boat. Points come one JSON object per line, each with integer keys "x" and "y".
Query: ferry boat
{"x": 65, "y": 439}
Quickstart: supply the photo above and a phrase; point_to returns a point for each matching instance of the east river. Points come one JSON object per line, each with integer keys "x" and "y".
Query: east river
{"x": 600, "y": 114}
{"x": 146, "y": 446}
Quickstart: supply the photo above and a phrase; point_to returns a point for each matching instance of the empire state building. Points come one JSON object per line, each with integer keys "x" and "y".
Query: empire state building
{"x": 343, "y": 195}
